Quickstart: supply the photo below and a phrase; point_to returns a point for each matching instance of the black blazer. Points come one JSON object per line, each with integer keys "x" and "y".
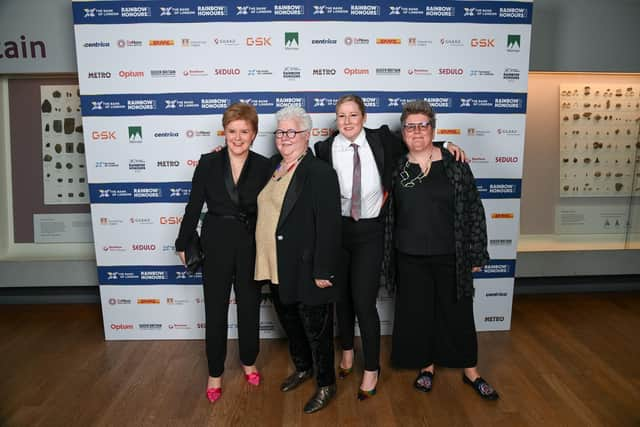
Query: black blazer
{"x": 213, "y": 182}
{"x": 386, "y": 146}
{"x": 308, "y": 235}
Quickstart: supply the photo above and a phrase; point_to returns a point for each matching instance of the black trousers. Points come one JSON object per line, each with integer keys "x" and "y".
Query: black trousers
{"x": 431, "y": 325}
{"x": 363, "y": 245}
{"x": 232, "y": 262}
{"x": 310, "y": 332}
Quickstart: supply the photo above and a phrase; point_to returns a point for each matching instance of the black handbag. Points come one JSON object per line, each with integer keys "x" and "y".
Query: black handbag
{"x": 194, "y": 256}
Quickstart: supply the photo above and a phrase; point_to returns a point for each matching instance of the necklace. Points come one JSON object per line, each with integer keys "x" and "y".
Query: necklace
{"x": 291, "y": 166}
{"x": 405, "y": 178}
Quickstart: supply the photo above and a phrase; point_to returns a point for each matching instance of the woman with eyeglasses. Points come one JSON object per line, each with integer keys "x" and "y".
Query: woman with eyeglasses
{"x": 441, "y": 239}
{"x": 298, "y": 244}
{"x": 363, "y": 159}
{"x": 229, "y": 181}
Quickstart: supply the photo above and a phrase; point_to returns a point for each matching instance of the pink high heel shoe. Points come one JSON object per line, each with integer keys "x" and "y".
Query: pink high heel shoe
{"x": 253, "y": 378}
{"x": 214, "y": 393}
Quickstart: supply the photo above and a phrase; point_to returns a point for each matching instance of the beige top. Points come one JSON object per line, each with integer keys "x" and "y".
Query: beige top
{"x": 270, "y": 202}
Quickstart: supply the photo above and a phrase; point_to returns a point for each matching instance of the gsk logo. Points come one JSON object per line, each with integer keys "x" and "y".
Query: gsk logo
{"x": 483, "y": 43}
{"x": 258, "y": 41}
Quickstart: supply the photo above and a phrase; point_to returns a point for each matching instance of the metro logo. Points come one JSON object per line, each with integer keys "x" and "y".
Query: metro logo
{"x": 103, "y": 135}
{"x": 258, "y": 41}
{"x": 172, "y": 220}
{"x": 483, "y": 43}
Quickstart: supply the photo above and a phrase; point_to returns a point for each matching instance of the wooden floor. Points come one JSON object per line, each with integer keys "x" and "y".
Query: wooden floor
{"x": 570, "y": 360}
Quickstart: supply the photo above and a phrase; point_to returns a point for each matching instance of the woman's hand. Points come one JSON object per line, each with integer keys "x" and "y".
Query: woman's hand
{"x": 456, "y": 151}
{"x": 476, "y": 269}
{"x": 323, "y": 283}
{"x": 182, "y": 258}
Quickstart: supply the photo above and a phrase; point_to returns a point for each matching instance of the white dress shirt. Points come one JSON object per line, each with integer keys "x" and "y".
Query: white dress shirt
{"x": 370, "y": 185}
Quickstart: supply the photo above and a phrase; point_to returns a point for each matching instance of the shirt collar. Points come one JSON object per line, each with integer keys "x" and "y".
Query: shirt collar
{"x": 360, "y": 140}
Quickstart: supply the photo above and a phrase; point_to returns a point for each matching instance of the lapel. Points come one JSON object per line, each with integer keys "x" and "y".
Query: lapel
{"x": 324, "y": 150}
{"x": 376, "y": 147}
{"x": 228, "y": 177}
{"x": 295, "y": 188}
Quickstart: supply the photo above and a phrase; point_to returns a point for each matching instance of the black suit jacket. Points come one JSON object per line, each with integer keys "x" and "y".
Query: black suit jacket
{"x": 213, "y": 182}
{"x": 386, "y": 146}
{"x": 308, "y": 235}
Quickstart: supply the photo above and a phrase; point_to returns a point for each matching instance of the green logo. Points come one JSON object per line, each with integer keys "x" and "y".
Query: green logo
{"x": 513, "y": 41}
{"x": 135, "y": 133}
{"x": 291, "y": 41}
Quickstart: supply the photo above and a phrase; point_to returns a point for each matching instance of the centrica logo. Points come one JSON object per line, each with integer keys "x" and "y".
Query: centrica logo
{"x": 502, "y": 215}
{"x": 165, "y": 42}
{"x": 450, "y": 71}
{"x": 483, "y": 43}
{"x": 148, "y": 301}
{"x": 258, "y": 41}
{"x": 388, "y": 41}
{"x": 356, "y": 71}
{"x": 97, "y": 44}
{"x": 105, "y": 135}
{"x": 99, "y": 75}
{"x": 170, "y": 220}
{"x": 130, "y": 74}
{"x": 121, "y": 326}
{"x": 143, "y": 247}
{"x": 324, "y": 42}
{"x": 507, "y": 159}
{"x": 448, "y": 131}
{"x": 324, "y": 72}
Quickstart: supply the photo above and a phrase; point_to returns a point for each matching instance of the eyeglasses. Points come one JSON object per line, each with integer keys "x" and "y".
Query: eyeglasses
{"x": 291, "y": 133}
{"x": 416, "y": 127}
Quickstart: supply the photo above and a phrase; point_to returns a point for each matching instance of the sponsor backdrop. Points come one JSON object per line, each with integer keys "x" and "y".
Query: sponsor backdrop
{"x": 156, "y": 76}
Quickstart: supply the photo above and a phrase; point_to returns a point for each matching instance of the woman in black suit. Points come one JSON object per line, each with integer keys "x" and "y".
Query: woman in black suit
{"x": 297, "y": 241}
{"x": 441, "y": 238}
{"x": 229, "y": 180}
{"x": 363, "y": 159}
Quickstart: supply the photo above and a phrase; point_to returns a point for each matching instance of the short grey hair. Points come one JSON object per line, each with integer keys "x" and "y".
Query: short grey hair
{"x": 418, "y": 107}
{"x": 296, "y": 113}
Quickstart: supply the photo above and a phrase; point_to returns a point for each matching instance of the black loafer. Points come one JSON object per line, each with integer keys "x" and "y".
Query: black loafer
{"x": 295, "y": 379}
{"x": 424, "y": 381}
{"x": 481, "y": 387}
{"x": 320, "y": 399}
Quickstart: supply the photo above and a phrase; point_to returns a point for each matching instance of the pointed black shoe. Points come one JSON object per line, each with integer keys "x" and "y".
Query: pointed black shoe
{"x": 320, "y": 399}
{"x": 481, "y": 387}
{"x": 424, "y": 381}
{"x": 295, "y": 379}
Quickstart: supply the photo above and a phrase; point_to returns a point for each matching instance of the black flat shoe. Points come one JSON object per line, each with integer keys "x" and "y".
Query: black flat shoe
{"x": 320, "y": 399}
{"x": 424, "y": 381}
{"x": 295, "y": 379}
{"x": 482, "y": 388}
